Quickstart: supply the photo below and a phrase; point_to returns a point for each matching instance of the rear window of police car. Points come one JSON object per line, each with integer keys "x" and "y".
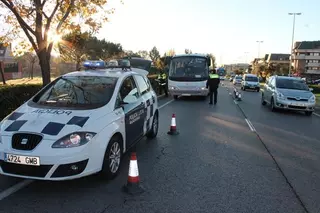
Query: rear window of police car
{"x": 78, "y": 91}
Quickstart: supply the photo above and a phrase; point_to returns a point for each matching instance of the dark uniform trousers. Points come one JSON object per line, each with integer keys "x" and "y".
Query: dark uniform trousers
{"x": 213, "y": 93}
{"x": 213, "y": 84}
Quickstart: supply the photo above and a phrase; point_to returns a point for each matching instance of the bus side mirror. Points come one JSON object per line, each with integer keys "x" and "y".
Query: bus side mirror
{"x": 209, "y": 62}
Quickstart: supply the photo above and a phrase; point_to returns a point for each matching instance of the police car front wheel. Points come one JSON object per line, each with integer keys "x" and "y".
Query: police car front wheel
{"x": 154, "y": 128}
{"x": 112, "y": 158}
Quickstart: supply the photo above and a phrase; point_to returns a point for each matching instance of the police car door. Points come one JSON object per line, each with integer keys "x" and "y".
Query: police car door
{"x": 148, "y": 98}
{"x": 134, "y": 110}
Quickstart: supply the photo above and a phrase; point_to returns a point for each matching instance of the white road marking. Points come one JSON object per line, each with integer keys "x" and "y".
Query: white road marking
{"x": 24, "y": 183}
{"x": 316, "y": 114}
{"x": 14, "y": 188}
{"x": 235, "y": 102}
{"x": 230, "y": 93}
{"x": 160, "y": 96}
{"x": 250, "y": 125}
{"x": 165, "y": 104}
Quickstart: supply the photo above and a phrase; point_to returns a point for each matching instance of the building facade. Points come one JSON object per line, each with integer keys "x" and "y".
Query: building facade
{"x": 306, "y": 58}
{"x": 11, "y": 68}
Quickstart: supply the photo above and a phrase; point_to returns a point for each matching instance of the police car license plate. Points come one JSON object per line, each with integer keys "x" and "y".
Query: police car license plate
{"x": 186, "y": 94}
{"x": 20, "y": 159}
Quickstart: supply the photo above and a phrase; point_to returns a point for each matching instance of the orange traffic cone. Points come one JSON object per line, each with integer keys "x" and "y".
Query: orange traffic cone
{"x": 173, "y": 128}
{"x": 133, "y": 184}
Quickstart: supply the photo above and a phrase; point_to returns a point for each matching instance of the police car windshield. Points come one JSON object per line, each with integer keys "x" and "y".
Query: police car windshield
{"x": 78, "y": 91}
{"x": 188, "y": 68}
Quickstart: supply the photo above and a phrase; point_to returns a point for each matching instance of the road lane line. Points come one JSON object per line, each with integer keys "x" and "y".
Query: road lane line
{"x": 316, "y": 114}
{"x": 14, "y": 188}
{"x": 235, "y": 102}
{"x": 11, "y": 190}
{"x": 250, "y": 125}
{"x": 165, "y": 104}
{"x": 254, "y": 129}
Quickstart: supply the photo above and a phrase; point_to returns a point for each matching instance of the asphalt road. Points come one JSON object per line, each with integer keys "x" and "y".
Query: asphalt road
{"x": 215, "y": 164}
{"x": 294, "y": 141}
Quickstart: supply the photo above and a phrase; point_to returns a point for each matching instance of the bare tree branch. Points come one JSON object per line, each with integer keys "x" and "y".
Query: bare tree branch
{"x": 50, "y": 48}
{"x": 49, "y": 19}
{"x": 71, "y": 5}
{"x": 45, "y": 15}
{"x": 22, "y": 23}
{"x": 39, "y": 24}
{"x": 43, "y": 3}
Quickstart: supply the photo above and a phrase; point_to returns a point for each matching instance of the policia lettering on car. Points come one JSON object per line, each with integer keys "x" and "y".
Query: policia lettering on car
{"x": 134, "y": 110}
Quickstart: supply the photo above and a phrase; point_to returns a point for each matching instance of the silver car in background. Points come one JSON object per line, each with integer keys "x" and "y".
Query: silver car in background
{"x": 288, "y": 93}
{"x": 237, "y": 80}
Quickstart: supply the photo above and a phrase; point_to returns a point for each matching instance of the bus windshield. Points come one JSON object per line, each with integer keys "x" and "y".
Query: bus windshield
{"x": 189, "y": 68}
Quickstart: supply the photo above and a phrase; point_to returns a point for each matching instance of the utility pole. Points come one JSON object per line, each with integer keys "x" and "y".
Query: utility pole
{"x": 293, "y": 28}
{"x": 259, "y": 42}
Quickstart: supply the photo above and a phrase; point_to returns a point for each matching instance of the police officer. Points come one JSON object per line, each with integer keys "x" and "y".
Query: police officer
{"x": 213, "y": 84}
{"x": 162, "y": 78}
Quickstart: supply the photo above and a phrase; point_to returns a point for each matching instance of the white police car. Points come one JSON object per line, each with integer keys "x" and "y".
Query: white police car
{"x": 79, "y": 124}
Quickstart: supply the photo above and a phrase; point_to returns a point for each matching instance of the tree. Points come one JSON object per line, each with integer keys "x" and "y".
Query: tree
{"x": 170, "y": 52}
{"x": 213, "y": 60}
{"x": 2, "y": 72}
{"x": 102, "y": 49}
{"x": 29, "y": 59}
{"x": 154, "y": 54}
{"x": 188, "y": 51}
{"x": 144, "y": 54}
{"x": 261, "y": 71}
{"x": 44, "y": 21}
{"x": 73, "y": 47}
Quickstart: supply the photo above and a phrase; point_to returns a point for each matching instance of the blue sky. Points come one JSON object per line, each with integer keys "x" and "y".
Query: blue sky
{"x": 226, "y": 28}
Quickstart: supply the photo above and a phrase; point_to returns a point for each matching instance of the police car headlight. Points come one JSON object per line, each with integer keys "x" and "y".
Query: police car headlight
{"x": 173, "y": 88}
{"x": 203, "y": 88}
{"x": 75, "y": 139}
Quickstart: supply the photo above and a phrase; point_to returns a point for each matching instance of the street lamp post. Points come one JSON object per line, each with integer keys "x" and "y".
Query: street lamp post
{"x": 259, "y": 42}
{"x": 293, "y": 28}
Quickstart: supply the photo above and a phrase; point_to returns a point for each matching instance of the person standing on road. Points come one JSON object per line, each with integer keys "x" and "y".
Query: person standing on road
{"x": 213, "y": 84}
{"x": 162, "y": 78}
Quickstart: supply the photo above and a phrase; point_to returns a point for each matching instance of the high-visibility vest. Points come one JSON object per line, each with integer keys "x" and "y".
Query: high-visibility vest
{"x": 213, "y": 76}
{"x": 162, "y": 76}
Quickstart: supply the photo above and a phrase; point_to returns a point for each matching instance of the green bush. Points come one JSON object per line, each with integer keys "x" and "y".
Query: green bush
{"x": 316, "y": 88}
{"x": 11, "y": 97}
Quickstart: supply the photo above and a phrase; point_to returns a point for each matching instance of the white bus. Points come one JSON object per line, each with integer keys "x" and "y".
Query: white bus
{"x": 188, "y": 74}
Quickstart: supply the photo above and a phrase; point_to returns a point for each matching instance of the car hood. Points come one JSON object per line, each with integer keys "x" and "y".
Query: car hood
{"x": 296, "y": 93}
{"x": 52, "y": 123}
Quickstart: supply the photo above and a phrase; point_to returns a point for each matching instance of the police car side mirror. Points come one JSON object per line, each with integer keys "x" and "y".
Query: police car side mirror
{"x": 120, "y": 104}
{"x": 123, "y": 103}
